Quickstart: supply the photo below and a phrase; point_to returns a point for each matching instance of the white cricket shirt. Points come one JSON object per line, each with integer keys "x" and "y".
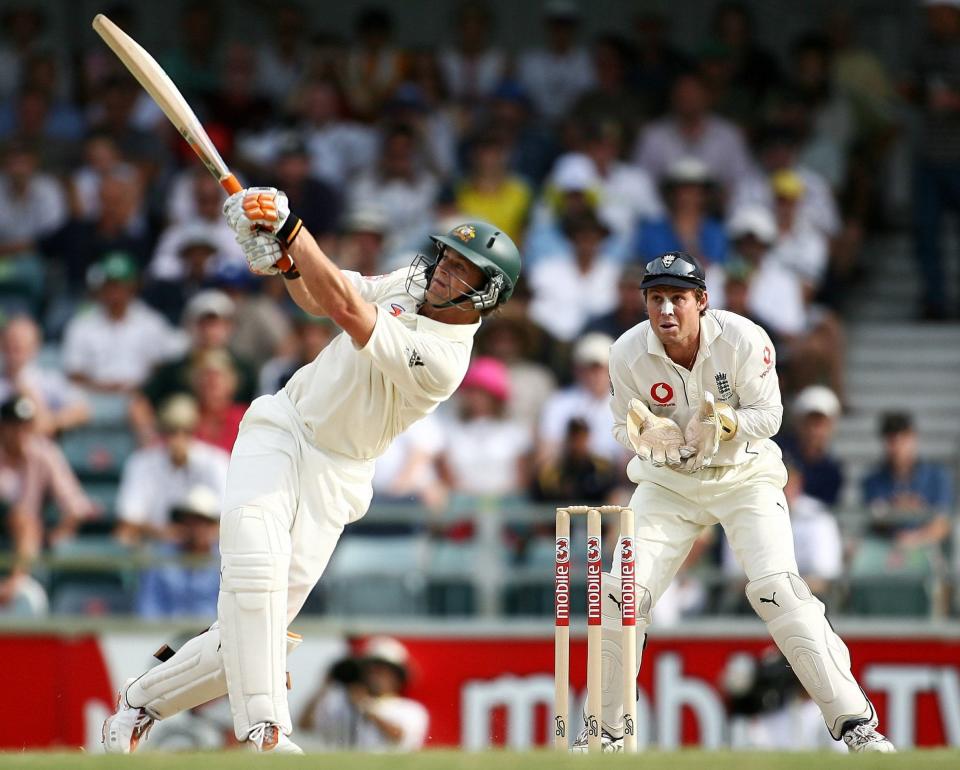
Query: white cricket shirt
{"x": 736, "y": 362}
{"x": 355, "y": 401}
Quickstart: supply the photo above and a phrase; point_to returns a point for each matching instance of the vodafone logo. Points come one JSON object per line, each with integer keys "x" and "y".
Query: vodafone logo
{"x": 563, "y": 550}
{"x": 662, "y": 393}
{"x": 767, "y": 356}
{"x": 593, "y": 549}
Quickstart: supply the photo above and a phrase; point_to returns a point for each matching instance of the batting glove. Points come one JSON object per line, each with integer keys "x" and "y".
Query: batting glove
{"x": 262, "y": 251}
{"x": 265, "y": 209}
{"x": 657, "y": 439}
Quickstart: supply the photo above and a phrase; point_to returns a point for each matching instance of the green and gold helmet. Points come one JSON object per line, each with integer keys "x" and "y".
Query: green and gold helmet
{"x": 490, "y": 249}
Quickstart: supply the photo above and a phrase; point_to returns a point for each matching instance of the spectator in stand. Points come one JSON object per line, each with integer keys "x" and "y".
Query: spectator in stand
{"x": 690, "y": 129}
{"x": 611, "y": 101}
{"x": 472, "y": 67}
{"x": 556, "y": 75}
{"x": 407, "y": 473}
{"x": 31, "y": 468}
{"x": 799, "y": 246}
{"x": 240, "y": 106}
{"x": 588, "y": 399}
{"x": 114, "y": 344}
{"x": 511, "y": 341}
{"x": 911, "y": 500}
{"x": 421, "y": 101}
{"x": 101, "y": 160}
{"x": 567, "y": 291}
{"x": 630, "y": 309}
{"x": 32, "y": 204}
{"x": 283, "y": 57}
{"x": 374, "y": 65}
{"x": 816, "y": 538}
{"x": 209, "y": 319}
{"x": 60, "y": 405}
{"x": 687, "y": 187}
{"x": 815, "y": 412}
{"x": 936, "y": 174}
{"x": 485, "y": 453}
{"x": 319, "y": 201}
{"x": 360, "y": 703}
{"x": 576, "y": 474}
{"x": 197, "y": 259}
{"x": 361, "y": 246}
{"x": 50, "y": 131}
{"x": 658, "y": 62}
{"x": 195, "y": 201}
{"x": 192, "y": 63}
{"x": 23, "y": 32}
{"x": 158, "y": 477}
{"x": 754, "y": 68}
{"x": 730, "y": 98}
{"x": 777, "y": 147}
{"x": 174, "y": 590}
{"x": 400, "y": 187}
{"x": 533, "y": 148}
{"x": 775, "y": 297}
{"x": 627, "y": 193}
{"x": 311, "y": 335}
{"x": 491, "y": 192}
{"x": 213, "y": 382}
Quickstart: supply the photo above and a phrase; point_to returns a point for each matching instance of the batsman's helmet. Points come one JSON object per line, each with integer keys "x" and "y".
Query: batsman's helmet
{"x": 488, "y": 248}
{"x": 675, "y": 268}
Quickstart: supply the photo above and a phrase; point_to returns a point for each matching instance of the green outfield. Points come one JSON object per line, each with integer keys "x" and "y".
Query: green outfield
{"x": 450, "y": 760}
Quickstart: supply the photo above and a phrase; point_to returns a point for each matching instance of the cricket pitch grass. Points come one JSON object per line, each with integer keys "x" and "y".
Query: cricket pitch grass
{"x": 494, "y": 760}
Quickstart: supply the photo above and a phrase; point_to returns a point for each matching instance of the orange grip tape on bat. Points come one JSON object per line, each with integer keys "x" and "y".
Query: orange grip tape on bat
{"x": 232, "y": 185}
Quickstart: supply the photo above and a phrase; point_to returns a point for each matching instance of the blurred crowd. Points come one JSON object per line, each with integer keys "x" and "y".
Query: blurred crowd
{"x": 133, "y": 337}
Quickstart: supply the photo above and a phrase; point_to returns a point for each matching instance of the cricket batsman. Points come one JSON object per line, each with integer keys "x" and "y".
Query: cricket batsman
{"x": 302, "y": 465}
{"x": 696, "y": 397}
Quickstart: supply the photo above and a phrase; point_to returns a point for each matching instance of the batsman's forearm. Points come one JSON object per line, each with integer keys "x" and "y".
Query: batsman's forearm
{"x": 322, "y": 280}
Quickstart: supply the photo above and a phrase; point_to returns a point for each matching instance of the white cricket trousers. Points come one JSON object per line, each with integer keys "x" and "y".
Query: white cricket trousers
{"x": 287, "y": 501}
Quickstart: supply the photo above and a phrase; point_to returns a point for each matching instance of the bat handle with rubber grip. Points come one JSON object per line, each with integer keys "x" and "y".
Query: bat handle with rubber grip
{"x": 232, "y": 185}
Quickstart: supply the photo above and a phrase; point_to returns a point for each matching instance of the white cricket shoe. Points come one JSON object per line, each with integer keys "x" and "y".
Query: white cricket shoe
{"x": 123, "y": 731}
{"x": 863, "y": 736}
{"x": 266, "y": 737}
{"x": 608, "y": 744}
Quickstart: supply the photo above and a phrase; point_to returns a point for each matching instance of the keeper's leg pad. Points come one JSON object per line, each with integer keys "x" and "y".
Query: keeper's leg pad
{"x": 612, "y": 649}
{"x": 252, "y": 610}
{"x": 819, "y": 658}
{"x": 190, "y": 677}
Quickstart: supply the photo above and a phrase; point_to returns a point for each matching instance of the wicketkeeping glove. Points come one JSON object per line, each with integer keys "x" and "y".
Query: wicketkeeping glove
{"x": 706, "y": 429}
{"x": 657, "y": 439}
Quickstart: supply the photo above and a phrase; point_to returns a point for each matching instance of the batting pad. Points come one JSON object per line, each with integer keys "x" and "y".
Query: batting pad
{"x": 191, "y": 677}
{"x": 252, "y": 609}
{"x": 819, "y": 658}
{"x": 611, "y": 650}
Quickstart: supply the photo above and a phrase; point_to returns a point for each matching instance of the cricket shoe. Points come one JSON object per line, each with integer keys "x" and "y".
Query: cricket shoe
{"x": 608, "y": 744}
{"x": 862, "y": 735}
{"x": 122, "y": 731}
{"x": 268, "y": 738}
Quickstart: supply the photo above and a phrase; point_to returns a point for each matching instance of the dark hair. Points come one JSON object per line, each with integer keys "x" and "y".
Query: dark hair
{"x": 374, "y": 19}
{"x": 892, "y": 423}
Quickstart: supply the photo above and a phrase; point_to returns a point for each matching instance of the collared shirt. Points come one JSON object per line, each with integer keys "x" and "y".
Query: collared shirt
{"x": 151, "y": 484}
{"x": 44, "y": 470}
{"x": 736, "y": 362}
{"x": 565, "y": 296}
{"x": 176, "y": 590}
{"x": 355, "y": 401}
{"x": 120, "y": 351}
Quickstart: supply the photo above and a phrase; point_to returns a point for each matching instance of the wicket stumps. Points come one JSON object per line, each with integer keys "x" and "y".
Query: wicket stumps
{"x": 628, "y": 625}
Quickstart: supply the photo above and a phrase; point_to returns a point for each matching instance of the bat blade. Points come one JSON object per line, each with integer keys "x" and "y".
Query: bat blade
{"x": 164, "y": 92}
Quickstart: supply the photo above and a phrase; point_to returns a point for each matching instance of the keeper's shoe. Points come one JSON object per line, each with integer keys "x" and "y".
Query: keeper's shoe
{"x": 608, "y": 744}
{"x": 122, "y": 731}
{"x": 266, "y": 738}
{"x": 862, "y": 736}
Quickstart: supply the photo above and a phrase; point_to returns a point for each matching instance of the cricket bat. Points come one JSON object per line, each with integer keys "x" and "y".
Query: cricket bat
{"x": 164, "y": 92}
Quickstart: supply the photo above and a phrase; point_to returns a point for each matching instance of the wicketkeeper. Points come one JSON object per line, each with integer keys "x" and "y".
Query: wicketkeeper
{"x": 302, "y": 465}
{"x": 696, "y": 397}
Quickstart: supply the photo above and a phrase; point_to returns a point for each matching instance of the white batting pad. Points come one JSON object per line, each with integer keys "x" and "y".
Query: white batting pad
{"x": 611, "y": 650}
{"x": 819, "y": 658}
{"x": 255, "y": 559}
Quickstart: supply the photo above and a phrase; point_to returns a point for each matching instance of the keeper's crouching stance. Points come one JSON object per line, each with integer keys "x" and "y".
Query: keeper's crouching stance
{"x": 713, "y": 373}
{"x": 302, "y": 465}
